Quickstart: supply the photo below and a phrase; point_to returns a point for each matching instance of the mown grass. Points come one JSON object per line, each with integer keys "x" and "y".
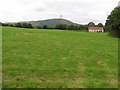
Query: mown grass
{"x": 35, "y": 58}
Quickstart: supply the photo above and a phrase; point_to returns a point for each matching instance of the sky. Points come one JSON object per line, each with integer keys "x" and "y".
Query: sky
{"x": 78, "y": 11}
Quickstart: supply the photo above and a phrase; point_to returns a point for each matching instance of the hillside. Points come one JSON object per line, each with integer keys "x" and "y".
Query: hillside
{"x": 51, "y": 22}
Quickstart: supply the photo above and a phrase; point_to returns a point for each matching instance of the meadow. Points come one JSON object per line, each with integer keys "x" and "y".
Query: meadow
{"x": 37, "y": 58}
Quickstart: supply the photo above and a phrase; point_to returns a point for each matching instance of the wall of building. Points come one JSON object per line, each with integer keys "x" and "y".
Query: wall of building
{"x": 96, "y": 30}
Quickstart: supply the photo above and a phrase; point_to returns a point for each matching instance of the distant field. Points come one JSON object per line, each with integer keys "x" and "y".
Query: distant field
{"x": 35, "y": 58}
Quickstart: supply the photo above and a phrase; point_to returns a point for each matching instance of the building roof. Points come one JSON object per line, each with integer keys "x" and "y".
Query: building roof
{"x": 95, "y": 28}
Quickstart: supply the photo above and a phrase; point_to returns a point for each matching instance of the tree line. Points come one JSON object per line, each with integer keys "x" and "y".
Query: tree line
{"x": 21, "y": 25}
{"x": 58, "y": 26}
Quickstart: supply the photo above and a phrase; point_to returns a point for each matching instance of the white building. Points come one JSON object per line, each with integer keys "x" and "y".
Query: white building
{"x": 95, "y": 29}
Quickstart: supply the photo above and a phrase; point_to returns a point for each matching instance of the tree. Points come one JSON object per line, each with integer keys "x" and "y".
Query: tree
{"x": 76, "y": 27}
{"x": 112, "y": 24}
{"x": 0, "y": 24}
{"x": 5, "y": 24}
{"x": 91, "y": 24}
{"x": 10, "y": 24}
{"x": 45, "y": 27}
{"x": 39, "y": 27}
{"x": 24, "y": 25}
{"x": 61, "y": 26}
{"x": 100, "y": 25}
{"x": 71, "y": 27}
{"x": 83, "y": 27}
{"x": 18, "y": 25}
{"x": 57, "y": 26}
{"x": 29, "y": 25}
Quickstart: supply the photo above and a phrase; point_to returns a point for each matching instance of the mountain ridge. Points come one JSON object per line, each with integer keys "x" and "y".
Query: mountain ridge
{"x": 51, "y": 22}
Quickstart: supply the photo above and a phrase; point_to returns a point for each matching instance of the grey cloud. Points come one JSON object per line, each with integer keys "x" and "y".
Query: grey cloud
{"x": 79, "y": 11}
{"x": 39, "y": 9}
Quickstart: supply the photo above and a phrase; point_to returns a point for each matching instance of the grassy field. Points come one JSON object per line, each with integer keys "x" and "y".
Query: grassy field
{"x": 35, "y": 58}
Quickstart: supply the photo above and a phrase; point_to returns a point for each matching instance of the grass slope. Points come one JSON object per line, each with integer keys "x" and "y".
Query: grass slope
{"x": 53, "y": 58}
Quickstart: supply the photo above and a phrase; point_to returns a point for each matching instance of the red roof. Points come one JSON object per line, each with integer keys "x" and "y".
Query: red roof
{"x": 95, "y": 28}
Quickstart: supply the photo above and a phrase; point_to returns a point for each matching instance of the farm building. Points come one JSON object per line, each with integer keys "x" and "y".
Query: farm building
{"x": 95, "y": 29}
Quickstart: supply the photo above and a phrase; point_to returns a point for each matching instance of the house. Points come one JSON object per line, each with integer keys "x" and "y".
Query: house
{"x": 96, "y": 29}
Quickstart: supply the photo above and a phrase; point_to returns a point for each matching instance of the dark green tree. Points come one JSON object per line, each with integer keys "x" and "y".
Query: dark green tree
{"x": 91, "y": 24}
{"x": 76, "y": 27}
{"x": 5, "y": 24}
{"x": 112, "y": 24}
{"x": 39, "y": 27}
{"x": 71, "y": 27}
{"x": 18, "y": 25}
{"x": 11, "y": 25}
{"x": 24, "y": 25}
{"x": 29, "y": 25}
{"x": 45, "y": 27}
{"x": 83, "y": 27}
{"x": 100, "y": 25}
{"x": 61, "y": 26}
{"x": 0, "y": 24}
{"x": 57, "y": 26}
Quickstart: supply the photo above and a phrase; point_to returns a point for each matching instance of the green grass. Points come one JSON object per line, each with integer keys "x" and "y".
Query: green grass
{"x": 58, "y": 59}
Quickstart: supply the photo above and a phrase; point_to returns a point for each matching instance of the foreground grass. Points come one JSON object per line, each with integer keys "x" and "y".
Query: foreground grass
{"x": 57, "y": 59}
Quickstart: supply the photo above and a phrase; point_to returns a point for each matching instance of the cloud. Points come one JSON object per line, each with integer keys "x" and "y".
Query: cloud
{"x": 79, "y": 11}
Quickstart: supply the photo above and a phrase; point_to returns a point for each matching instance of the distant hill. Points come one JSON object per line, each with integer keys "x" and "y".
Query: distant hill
{"x": 51, "y": 22}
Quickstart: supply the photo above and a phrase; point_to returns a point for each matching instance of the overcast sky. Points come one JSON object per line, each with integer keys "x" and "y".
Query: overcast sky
{"x": 79, "y": 11}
